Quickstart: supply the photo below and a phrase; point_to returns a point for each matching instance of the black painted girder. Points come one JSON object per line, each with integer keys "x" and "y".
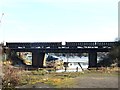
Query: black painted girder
{"x": 63, "y": 50}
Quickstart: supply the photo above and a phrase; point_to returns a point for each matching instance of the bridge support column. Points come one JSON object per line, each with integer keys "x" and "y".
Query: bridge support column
{"x": 92, "y": 59}
{"x": 37, "y": 59}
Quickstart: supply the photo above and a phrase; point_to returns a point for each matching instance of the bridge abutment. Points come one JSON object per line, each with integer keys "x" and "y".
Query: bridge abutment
{"x": 92, "y": 59}
{"x": 37, "y": 59}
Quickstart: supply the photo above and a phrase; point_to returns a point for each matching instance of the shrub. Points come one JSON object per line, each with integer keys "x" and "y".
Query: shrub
{"x": 10, "y": 78}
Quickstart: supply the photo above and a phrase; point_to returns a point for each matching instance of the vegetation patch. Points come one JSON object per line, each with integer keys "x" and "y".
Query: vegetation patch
{"x": 16, "y": 77}
{"x": 11, "y": 77}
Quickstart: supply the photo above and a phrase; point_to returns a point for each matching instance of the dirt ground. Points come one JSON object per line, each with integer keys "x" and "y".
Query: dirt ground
{"x": 96, "y": 81}
{"x": 93, "y": 80}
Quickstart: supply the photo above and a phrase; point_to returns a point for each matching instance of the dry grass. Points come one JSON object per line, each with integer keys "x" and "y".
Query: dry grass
{"x": 11, "y": 77}
{"x": 60, "y": 80}
{"x": 56, "y": 79}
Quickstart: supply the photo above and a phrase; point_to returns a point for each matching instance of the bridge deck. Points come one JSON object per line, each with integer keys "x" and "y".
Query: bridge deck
{"x": 63, "y": 50}
{"x": 57, "y": 47}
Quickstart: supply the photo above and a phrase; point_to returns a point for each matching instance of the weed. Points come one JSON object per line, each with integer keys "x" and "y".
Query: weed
{"x": 10, "y": 78}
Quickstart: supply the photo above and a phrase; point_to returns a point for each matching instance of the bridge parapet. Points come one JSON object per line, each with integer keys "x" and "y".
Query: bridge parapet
{"x": 80, "y": 44}
{"x": 90, "y": 44}
{"x": 33, "y": 44}
{"x": 110, "y": 44}
{"x": 46, "y": 44}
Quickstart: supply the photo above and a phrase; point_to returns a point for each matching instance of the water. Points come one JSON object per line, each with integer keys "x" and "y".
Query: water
{"x": 69, "y": 70}
{"x": 73, "y": 64}
{"x": 75, "y": 59}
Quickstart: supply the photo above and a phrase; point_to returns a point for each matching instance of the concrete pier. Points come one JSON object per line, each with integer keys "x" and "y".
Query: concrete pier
{"x": 92, "y": 59}
{"x": 37, "y": 59}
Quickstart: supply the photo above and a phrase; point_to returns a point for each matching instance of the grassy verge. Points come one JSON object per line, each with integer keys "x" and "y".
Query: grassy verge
{"x": 55, "y": 79}
{"x": 63, "y": 79}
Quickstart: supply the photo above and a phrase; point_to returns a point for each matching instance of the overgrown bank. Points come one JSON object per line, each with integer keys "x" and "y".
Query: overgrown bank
{"x": 17, "y": 77}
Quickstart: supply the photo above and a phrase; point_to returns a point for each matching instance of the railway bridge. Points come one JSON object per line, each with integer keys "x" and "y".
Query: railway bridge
{"x": 39, "y": 49}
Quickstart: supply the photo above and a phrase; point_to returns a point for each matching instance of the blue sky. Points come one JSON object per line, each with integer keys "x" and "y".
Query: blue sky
{"x": 58, "y": 20}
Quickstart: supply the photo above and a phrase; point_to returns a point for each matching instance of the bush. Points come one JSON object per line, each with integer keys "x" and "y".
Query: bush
{"x": 10, "y": 78}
